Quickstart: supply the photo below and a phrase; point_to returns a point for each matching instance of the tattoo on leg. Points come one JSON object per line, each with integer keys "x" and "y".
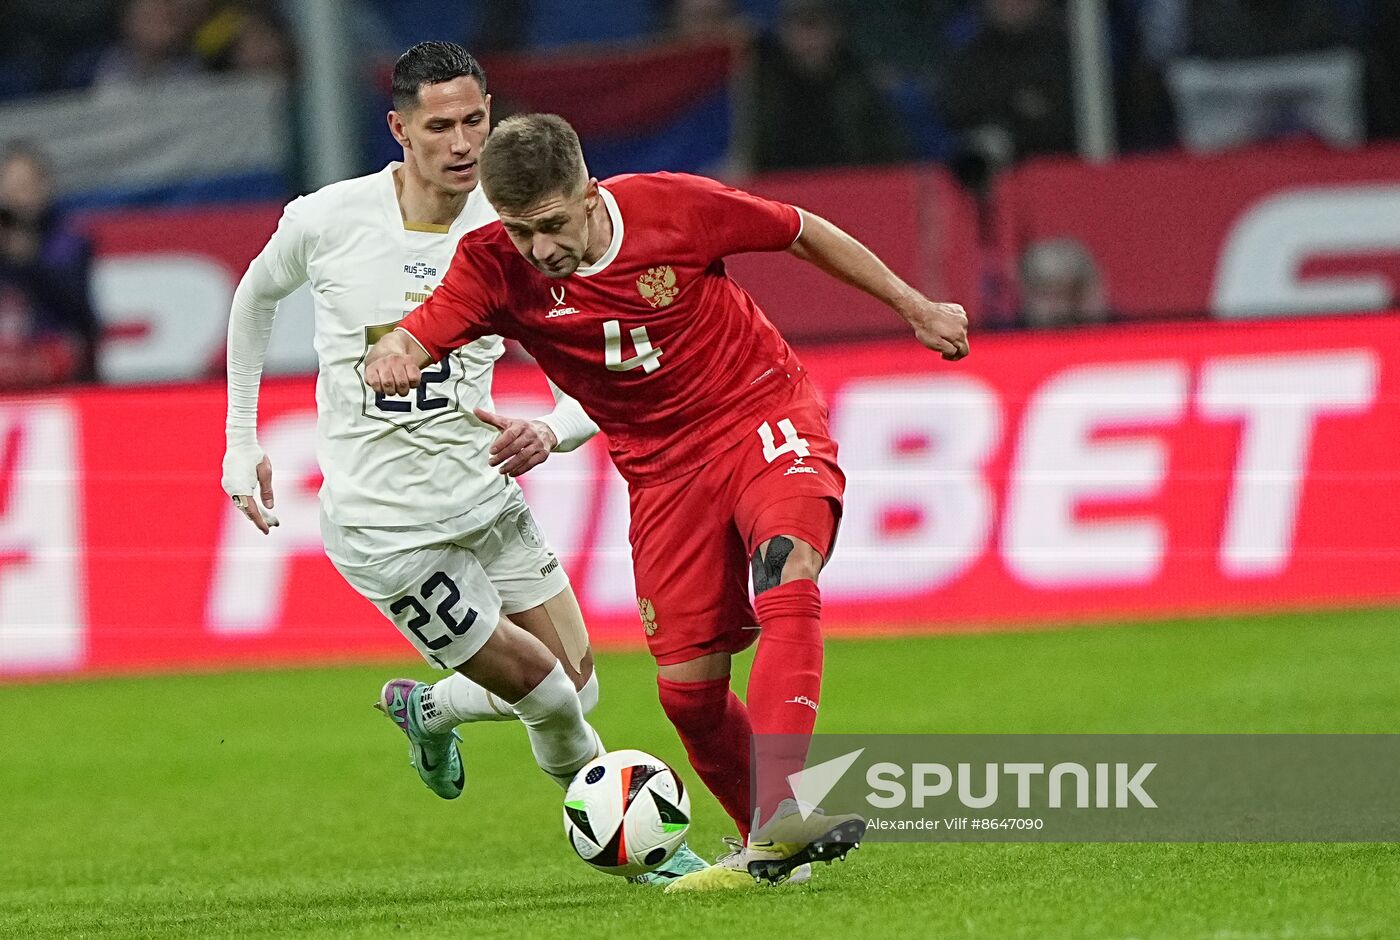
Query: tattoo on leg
{"x": 768, "y": 571}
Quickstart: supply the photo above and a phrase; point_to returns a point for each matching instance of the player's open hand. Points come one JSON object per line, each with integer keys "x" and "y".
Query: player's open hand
{"x": 940, "y": 327}
{"x": 521, "y": 446}
{"x": 246, "y": 467}
{"x": 392, "y": 373}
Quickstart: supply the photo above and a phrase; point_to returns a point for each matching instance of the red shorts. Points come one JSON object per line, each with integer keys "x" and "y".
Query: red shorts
{"x": 692, "y": 537}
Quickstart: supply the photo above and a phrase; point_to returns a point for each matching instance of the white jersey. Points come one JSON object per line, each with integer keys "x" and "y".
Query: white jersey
{"x": 386, "y": 461}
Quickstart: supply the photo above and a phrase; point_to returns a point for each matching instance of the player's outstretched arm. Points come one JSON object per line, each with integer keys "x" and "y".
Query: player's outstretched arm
{"x": 940, "y": 327}
{"x": 247, "y": 471}
{"x": 394, "y": 364}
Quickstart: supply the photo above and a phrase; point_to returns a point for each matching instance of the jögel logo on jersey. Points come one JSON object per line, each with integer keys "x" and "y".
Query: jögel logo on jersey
{"x": 559, "y": 310}
{"x": 799, "y": 466}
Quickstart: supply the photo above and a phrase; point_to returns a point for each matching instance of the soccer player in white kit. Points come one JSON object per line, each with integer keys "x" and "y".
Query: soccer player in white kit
{"x": 419, "y": 511}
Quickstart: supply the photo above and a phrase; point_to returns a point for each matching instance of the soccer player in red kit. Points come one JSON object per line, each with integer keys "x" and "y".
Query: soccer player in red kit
{"x": 619, "y": 290}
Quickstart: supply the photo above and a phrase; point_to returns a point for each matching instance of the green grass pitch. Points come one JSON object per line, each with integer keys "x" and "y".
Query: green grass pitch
{"x": 279, "y": 803}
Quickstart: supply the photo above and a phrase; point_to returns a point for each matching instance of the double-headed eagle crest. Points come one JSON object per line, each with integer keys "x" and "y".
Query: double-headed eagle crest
{"x": 658, "y": 286}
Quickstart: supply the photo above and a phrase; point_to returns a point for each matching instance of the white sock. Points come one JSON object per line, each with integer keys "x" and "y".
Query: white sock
{"x": 457, "y": 700}
{"x": 560, "y": 738}
{"x": 588, "y": 695}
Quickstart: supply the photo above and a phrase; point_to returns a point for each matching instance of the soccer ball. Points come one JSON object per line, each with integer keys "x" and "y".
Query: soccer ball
{"x": 626, "y": 812}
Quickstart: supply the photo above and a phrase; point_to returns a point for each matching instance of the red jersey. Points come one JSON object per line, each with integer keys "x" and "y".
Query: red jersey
{"x": 669, "y": 356}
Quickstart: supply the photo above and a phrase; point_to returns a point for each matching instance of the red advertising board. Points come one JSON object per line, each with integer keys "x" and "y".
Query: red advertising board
{"x": 1138, "y": 471}
{"x": 163, "y": 282}
{"x": 1269, "y": 232}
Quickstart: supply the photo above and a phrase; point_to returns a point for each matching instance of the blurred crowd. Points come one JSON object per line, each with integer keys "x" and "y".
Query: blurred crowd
{"x": 976, "y": 84}
{"x": 48, "y": 332}
{"x": 111, "y": 44}
{"x": 984, "y": 83}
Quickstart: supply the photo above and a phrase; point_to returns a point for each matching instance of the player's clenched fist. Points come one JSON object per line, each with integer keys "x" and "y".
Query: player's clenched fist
{"x": 393, "y": 374}
{"x": 940, "y": 327}
{"x": 394, "y": 364}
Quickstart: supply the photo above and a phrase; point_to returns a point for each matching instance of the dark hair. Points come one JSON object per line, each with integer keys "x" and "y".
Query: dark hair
{"x": 431, "y": 63}
{"x": 529, "y": 157}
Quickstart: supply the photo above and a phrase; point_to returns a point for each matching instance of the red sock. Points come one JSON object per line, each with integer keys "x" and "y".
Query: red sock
{"x": 714, "y": 727}
{"x": 785, "y": 684}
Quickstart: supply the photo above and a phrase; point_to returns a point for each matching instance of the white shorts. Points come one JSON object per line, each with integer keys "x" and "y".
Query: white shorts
{"x": 446, "y": 584}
